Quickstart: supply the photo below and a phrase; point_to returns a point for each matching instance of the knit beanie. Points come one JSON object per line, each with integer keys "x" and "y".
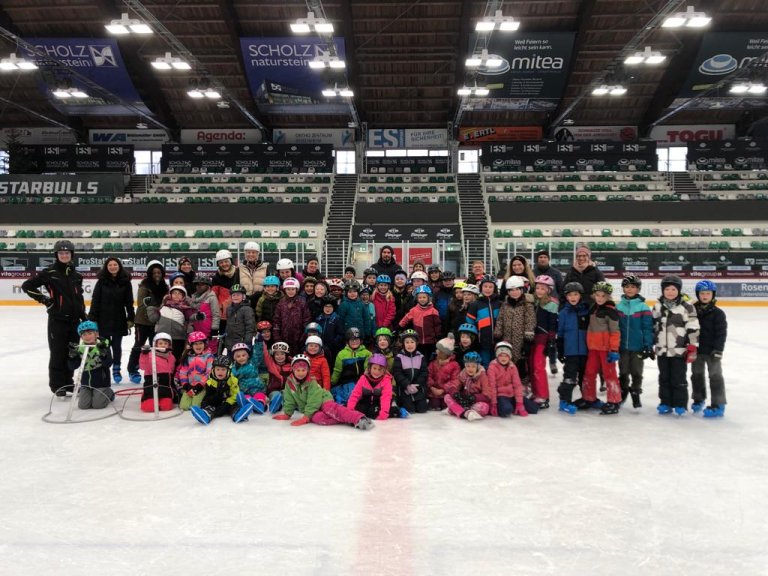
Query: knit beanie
{"x": 446, "y": 345}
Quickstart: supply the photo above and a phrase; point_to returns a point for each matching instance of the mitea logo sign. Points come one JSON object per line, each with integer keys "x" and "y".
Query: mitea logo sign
{"x": 226, "y": 136}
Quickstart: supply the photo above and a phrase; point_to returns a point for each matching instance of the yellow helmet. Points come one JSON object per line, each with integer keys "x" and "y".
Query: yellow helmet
{"x": 460, "y": 284}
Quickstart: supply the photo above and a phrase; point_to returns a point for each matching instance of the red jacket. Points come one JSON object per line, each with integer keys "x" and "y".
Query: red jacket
{"x": 385, "y": 384}
{"x": 384, "y": 304}
{"x": 445, "y": 376}
{"x": 476, "y": 385}
{"x": 164, "y": 362}
{"x": 318, "y": 369}
{"x": 504, "y": 381}
{"x": 426, "y": 322}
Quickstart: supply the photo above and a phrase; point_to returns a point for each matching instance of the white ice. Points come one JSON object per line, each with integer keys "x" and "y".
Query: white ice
{"x": 637, "y": 493}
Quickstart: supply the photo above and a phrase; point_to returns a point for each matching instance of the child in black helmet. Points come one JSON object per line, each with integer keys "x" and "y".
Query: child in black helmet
{"x": 636, "y": 329}
{"x": 222, "y": 396}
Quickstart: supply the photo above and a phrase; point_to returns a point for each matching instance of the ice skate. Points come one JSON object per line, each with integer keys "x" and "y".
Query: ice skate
{"x": 636, "y": 400}
{"x": 567, "y": 407}
{"x": 714, "y": 411}
{"x": 364, "y": 424}
{"x": 471, "y": 415}
{"x": 664, "y": 409}
{"x": 680, "y": 410}
{"x": 135, "y": 378}
{"x": 116, "y": 376}
{"x": 200, "y": 415}
{"x": 697, "y": 407}
{"x": 609, "y": 408}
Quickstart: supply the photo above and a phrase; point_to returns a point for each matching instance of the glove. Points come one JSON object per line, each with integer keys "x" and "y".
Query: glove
{"x": 146, "y": 348}
{"x": 281, "y": 417}
{"x": 560, "y": 350}
{"x": 130, "y": 325}
{"x": 300, "y": 422}
{"x": 528, "y": 336}
{"x": 690, "y": 355}
{"x": 147, "y": 300}
{"x": 411, "y": 389}
{"x": 74, "y": 350}
{"x": 214, "y": 332}
{"x": 520, "y": 409}
{"x": 199, "y": 317}
{"x": 717, "y": 355}
{"x": 649, "y": 353}
{"x": 551, "y": 347}
{"x": 197, "y": 388}
{"x": 612, "y": 357}
{"x": 48, "y": 303}
{"x": 494, "y": 410}
{"x": 188, "y": 390}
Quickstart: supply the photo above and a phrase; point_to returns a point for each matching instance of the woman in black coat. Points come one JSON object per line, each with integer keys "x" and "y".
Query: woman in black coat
{"x": 112, "y": 308}
{"x": 584, "y": 272}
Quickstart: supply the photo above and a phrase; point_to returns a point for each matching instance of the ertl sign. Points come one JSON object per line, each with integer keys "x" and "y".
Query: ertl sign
{"x": 680, "y": 135}
{"x": 221, "y": 136}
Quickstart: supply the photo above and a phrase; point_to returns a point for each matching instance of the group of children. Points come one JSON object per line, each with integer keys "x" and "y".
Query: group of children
{"x": 336, "y": 357}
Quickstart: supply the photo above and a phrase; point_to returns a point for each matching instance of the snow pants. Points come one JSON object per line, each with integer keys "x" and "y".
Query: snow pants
{"x": 61, "y": 332}
{"x": 96, "y": 398}
{"x": 673, "y": 385}
{"x": 716, "y": 382}
{"x": 332, "y": 413}
{"x": 573, "y": 372}
{"x": 631, "y": 370}
{"x": 538, "y": 370}
{"x": 186, "y": 402}
{"x": 597, "y": 361}
{"x": 482, "y": 408}
{"x": 506, "y": 406}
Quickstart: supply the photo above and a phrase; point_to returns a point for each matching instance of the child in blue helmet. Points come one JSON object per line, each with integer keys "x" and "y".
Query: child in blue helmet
{"x": 265, "y": 308}
{"x": 466, "y": 343}
{"x": 95, "y": 390}
{"x": 713, "y": 331}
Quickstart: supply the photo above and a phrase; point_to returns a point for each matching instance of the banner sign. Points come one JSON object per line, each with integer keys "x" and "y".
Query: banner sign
{"x": 75, "y": 158}
{"x": 36, "y": 136}
{"x": 141, "y": 139}
{"x": 337, "y": 137}
{"x": 533, "y": 73}
{"x": 99, "y": 60}
{"x": 574, "y": 155}
{"x": 749, "y": 154}
{"x": 681, "y": 135}
{"x": 415, "y": 253}
{"x": 187, "y": 158}
{"x": 720, "y": 54}
{"x": 401, "y": 233}
{"x": 28, "y": 185}
{"x": 469, "y": 136}
{"x": 581, "y": 133}
{"x": 417, "y": 164}
{"x": 223, "y": 136}
{"x": 407, "y": 138}
{"x": 281, "y": 80}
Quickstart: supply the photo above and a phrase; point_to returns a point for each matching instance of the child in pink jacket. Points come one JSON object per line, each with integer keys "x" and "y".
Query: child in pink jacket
{"x": 165, "y": 364}
{"x": 505, "y": 386}
{"x": 442, "y": 374}
{"x": 193, "y": 371}
{"x": 372, "y": 395}
{"x": 472, "y": 399}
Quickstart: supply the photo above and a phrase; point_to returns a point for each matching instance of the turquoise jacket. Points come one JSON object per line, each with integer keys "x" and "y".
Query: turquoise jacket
{"x": 635, "y": 324}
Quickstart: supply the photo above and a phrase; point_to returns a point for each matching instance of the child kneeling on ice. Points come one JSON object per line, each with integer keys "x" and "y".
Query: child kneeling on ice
{"x": 164, "y": 365}
{"x": 505, "y": 387}
{"x": 95, "y": 391}
{"x": 222, "y": 396}
{"x": 194, "y": 368}
{"x": 303, "y": 393}
{"x": 249, "y": 381}
{"x": 472, "y": 400}
{"x": 372, "y": 394}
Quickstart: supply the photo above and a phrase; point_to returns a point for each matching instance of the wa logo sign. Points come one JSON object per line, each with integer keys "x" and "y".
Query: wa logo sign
{"x": 103, "y": 56}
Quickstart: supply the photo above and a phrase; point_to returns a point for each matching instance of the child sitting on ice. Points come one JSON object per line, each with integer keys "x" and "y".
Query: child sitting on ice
{"x": 319, "y": 369}
{"x": 222, "y": 396}
{"x": 442, "y": 374}
{"x": 372, "y": 394}
{"x": 303, "y": 393}
{"x": 248, "y": 380}
{"x": 194, "y": 368}
{"x": 472, "y": 400}
{"x": 95, "y": 391}
{"x": 164, "y": 364}
{"x": 410, "y": 373}
{"x": 505, "y": 387}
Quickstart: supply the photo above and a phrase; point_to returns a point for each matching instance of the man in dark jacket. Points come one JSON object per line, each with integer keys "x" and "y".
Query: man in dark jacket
{"x": 66, "y": 308}
{"x": 543, "y": 268}
{"x": 386, "y": 265}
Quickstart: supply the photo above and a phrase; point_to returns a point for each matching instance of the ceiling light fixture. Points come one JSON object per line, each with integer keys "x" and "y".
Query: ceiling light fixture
{"x": 127, "y": 25}
{"x": 336, "y": 91}
{"x": 483, "y": 59}
{"x": 647, "y": 56}
{"x": 13, "y": 62}
{"x": 325, "y": 60}
{"x": 311, "y": 24}
{"x": 612, "y": 89}
{"x": 688, "y": 19}
{"x": 473, "y": 91}
{"x": 65, "y": 92}
{"x": 169, "y": 62}
{"x": 497, "y": 22}
{"x": 201, "y": 89}
{"x": 749, "y": 88}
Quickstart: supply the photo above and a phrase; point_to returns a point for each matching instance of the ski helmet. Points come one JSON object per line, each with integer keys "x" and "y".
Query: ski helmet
{"x": 546, "y": 280}
{"x": 468, "y": 328}
{"x": 86, "y": 326}
{"x": 352, "y": 285}
{"x": 370, "y": 272}
{"x": 177, "y": 275}
{"x": 472, "y": 289}
{"x": 301, "y": 358}
{"x": 179, "y": 288}
{"x": 503, "y": 347}
{"x": 280, "y": 347}
{"x": 419, "y": 275}
{"x": 366, "y": 290}
{"x": 203, "y": 280}
{"x": 222, "y": 362}
{"x": 152, "y": 263}
{"x": 487, "y": 279}
{"x": 378, "y": 359}
{"x": 309, "y": 280}
{"x": 472, "y": 357}
{"x": 313, "y": 327}
{"x": 240, "y": 346}
{"x": 631, "y": 280}
{"x": 409, "y": 333}
{"x": 64, "y": 246}
{"x": 252, "y": 246}
{"x": 197, "y": 336}
{"x": 264, "y": 325}
{"x": 272, "y": 281}
{"x": 423, "y": 289}
{"x": 223, "y": 255}
{"x": 384, "y": 331}
{"x": 433, "y": 268}
{"x": 448, "y": 275}
{"x": 602, "y": 287}
{"x": 330, "y": 300}
{"x": 162, "y": 336}
{"x": 335, "y": 283}
{"x": 573, "y": 287}
{"x": 672, "y": 280}
{"x": 237, "y": 289}
{"x": 314, "y": 340}
{"x": 460, "y": 285}
{"x": 352, "y": 333}
{"x": 515, "y": 283}
{"x": 291, "y": 283}
{"x": 284, "y": 264}
{"x": 706, "y": 286}
{"x": 383, "y": 279}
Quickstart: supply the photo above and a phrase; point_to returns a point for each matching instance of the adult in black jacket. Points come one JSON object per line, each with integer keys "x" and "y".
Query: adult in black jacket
{"x": 151, "y": 292}
{"x": 386, "y": 264}
{"x": 66, "y": 309}
{"x": 584, "y": 272}
{"x": 112, "y": 308}
{"x": 543, "y": 268}
{"x": 186, "y": 267}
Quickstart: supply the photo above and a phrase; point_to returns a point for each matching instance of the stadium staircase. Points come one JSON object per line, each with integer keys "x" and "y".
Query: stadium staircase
{"x": 339, "y": 228}
{"x": 139, "y": 184}
{"x": 682, "y": 183}
{"x": 474, "y": 217}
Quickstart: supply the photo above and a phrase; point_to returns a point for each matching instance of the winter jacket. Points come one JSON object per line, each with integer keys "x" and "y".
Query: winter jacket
{"x": 355, "y": 314}
{"x": 603, "y": 329}
{"x": 241, "y": 324}
{"x": 675, "y": 326}
{"x": 265, "y": 309}
{"x": 333, "y": 331}
{"x": 368, "y": 390}
{"x": 350, "y": 365}
{"x": 553, "y": 273}
{"x": 387, "y": 268}
{"x": 546, "y": 321}
{"x": 164, "y": 361}
{"x": 516, "y": 323}
{"x": 65, "y": 291}
{"x": 252, "y": 277}
{"x": 572, "y": 326}
{"x": 221, "y": 284}
{"x": 220, "y": 392}
{"x": 401, "y": 299}
{"x": 208, "y": 304}
{"x": 476, "y": 385}
{"x": 194, "y": 370}
{"x": 384, "y": 304}
{"x": 307, "y": 397}
{"x": 318, "y": 369}
{"x": 457, "y": 314}
{"x": 587, "y": 278}
{"x": 442, "y": 301}
{"x": 483, "y": 313}
{"x": 504, "y": 381}
{"x": 444, "y": 376}
{"x": 247, "y": 375}
{"x": 173, "y": 318}
{"x": 156, "y": 291}
{"x": 291, "y": 316}
{"x": 277, "y": 372}
{"x": 426, "y": 322}
{"x": 96, "y": 363}
{"x": 459, "y": 351}
{"x": 411, "y": 369}
{"x": 713, "y": 327}
{"x": 112, "y": 305}
{"x": 635, "y": 324}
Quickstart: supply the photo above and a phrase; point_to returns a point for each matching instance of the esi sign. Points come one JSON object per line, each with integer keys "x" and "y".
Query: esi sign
{"x": 222, "y": 136}
{"x": 140, "y": 139}
{"x": 337, "y": 137}
{"x": 407, "y": 138}
{"x": 681, "y": 135}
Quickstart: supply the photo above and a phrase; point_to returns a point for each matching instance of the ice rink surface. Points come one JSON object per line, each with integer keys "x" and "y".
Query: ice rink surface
{"x": 636, "y": 493}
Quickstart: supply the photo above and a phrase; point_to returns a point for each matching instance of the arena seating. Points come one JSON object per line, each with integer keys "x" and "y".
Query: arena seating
{"x": 407, "y": 189}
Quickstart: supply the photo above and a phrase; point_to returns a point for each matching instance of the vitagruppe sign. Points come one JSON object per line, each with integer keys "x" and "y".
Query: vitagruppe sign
{"x": 533, "y": 73}
{"x": 383, "y": 233}
{"x": 721, "y": 54}
{"x": 29, "y": 185}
